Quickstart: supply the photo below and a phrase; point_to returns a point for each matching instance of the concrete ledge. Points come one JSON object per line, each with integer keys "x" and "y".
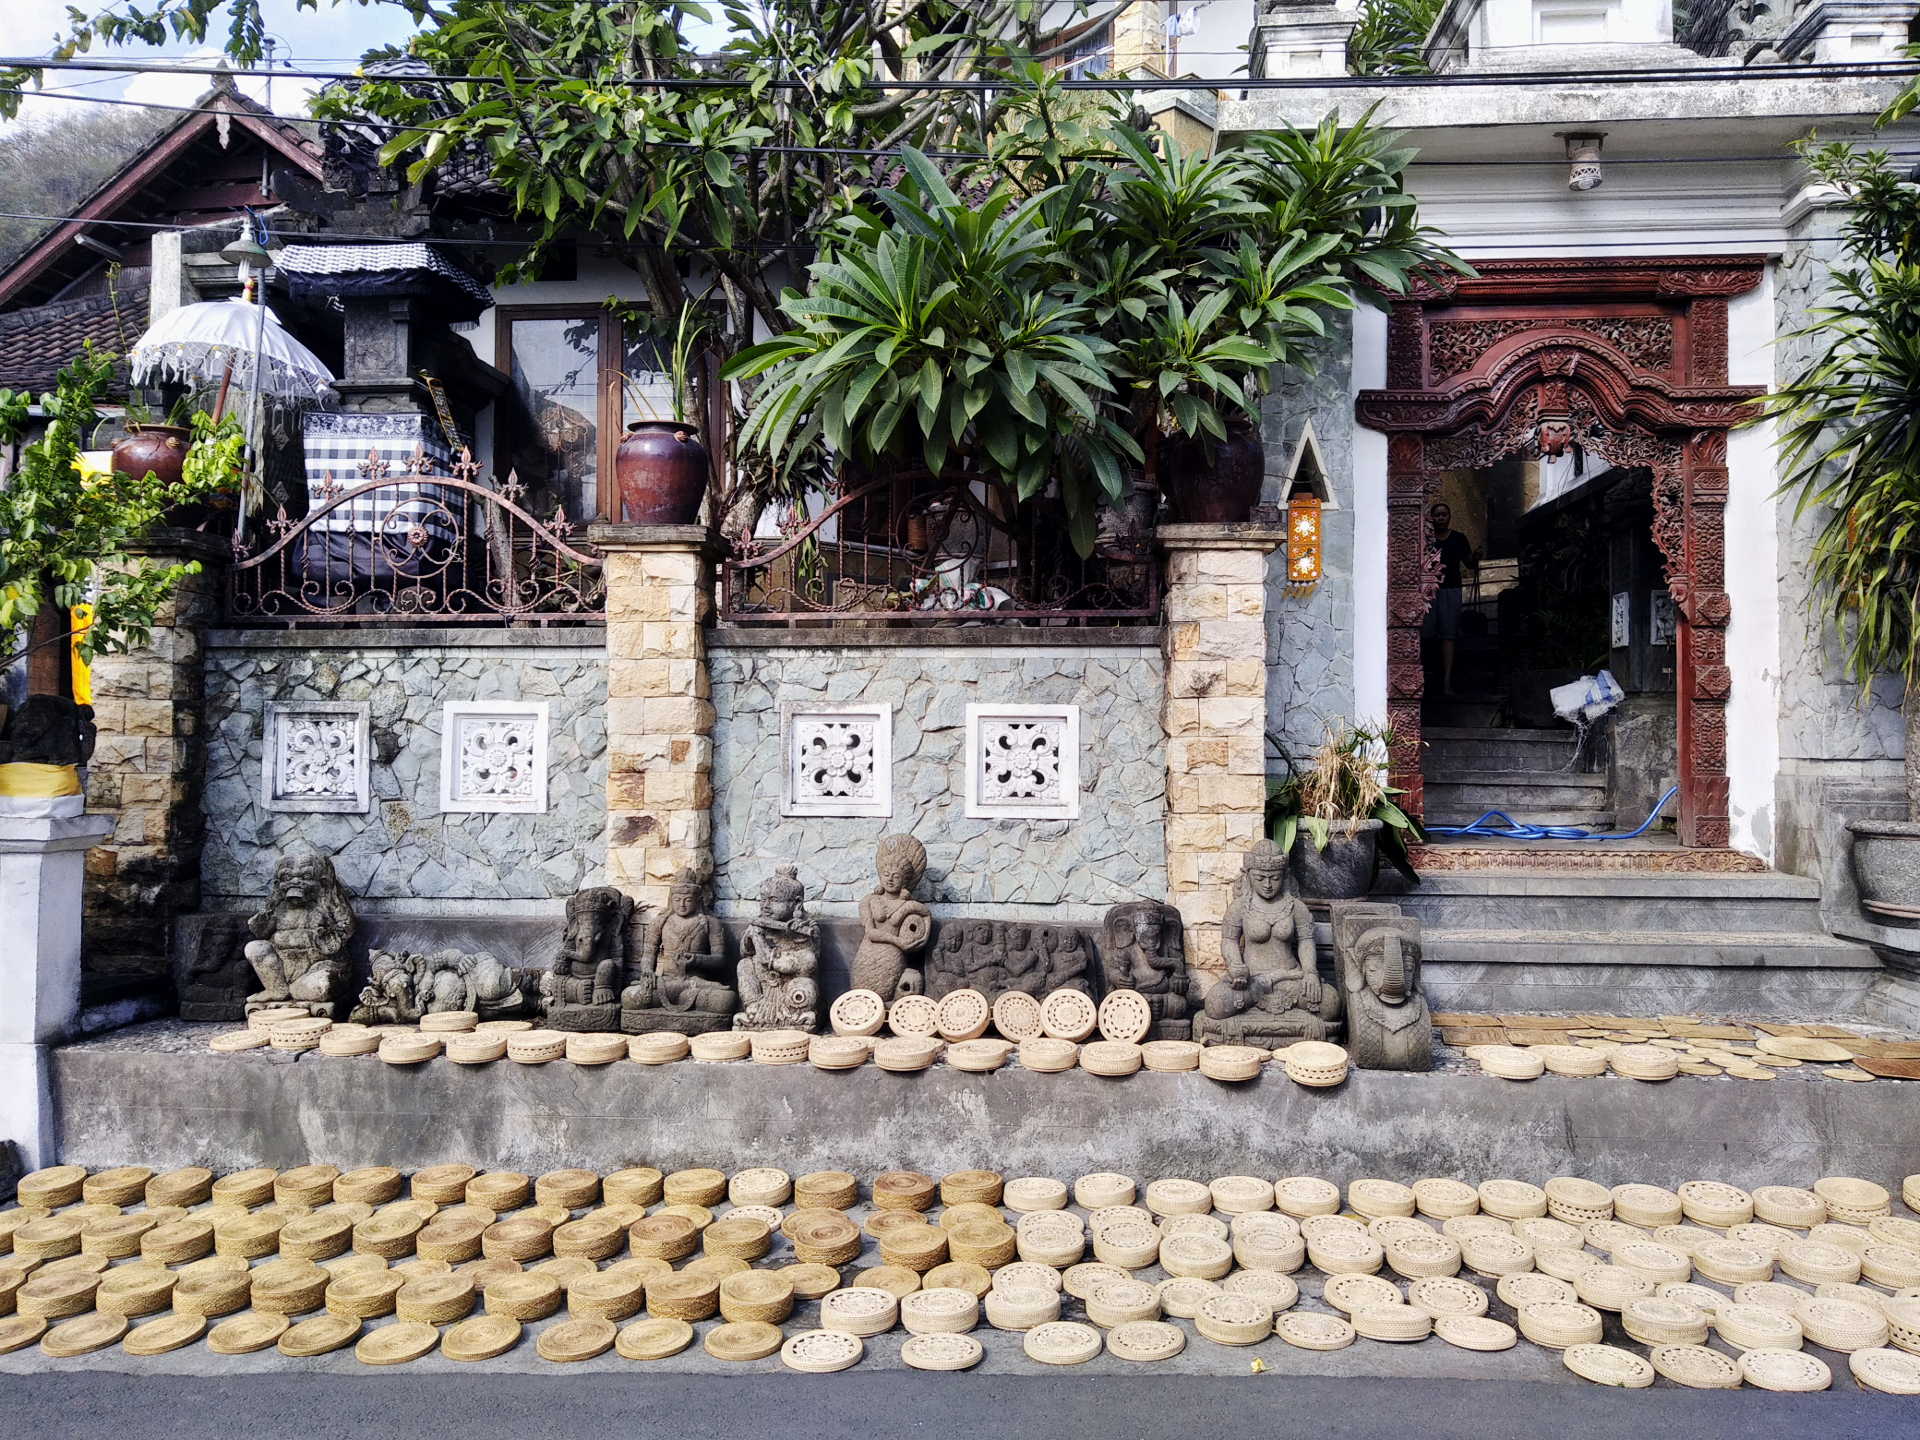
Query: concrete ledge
{"x": 592, "y": 636}
{"x": 157, "y": 1097}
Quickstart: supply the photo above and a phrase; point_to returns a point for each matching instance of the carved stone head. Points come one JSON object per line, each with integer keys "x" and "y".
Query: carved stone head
{"x": 1265, "y": 869}
{"x": 780, "y": 896}
{"x": 307, "y": 896}
{"x": 686, "y": 893}
{"x": 595, "y": 920}
{"x": 901, "y": 862}
{"x": 1390, "y": 964}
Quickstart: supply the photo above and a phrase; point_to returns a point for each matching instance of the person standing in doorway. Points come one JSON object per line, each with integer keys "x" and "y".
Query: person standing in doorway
{"x": 1443, "y": 619}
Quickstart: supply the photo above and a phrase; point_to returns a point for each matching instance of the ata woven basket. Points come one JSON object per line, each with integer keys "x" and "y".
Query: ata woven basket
{"x": 212, "y": 1293}
{"x": 1609, "y": 1287}
{"x": 1395, "y": 1323}
{"x": 780, "y": 1047}
{"x": 989, "y": 1244}
{"x": 1237, "y": 1063}
{"x": 536, "y": 1047}
{"x": 1444, "y": 1199}
{"x": 1732, "y": 1263}
{"x": 1034, "y": 1192}
{"x": 914, "y": 1017}
{"x": 1557, "y": 1324}
{"x": 1577, "y": 1201}
{"x": 1315, "y": 1064}
{"x": 1785, "y": 1370}
{"x": 861, "y": 1311}
{"x": 477, "y": 1047}
{"x": 188, "y": 1186}
{"x": 1068, "y": 1015}
{"x": 1528, "y": 1288}
{"x": 1120, "y": 1302}
{"x": 962, "y": 1015}
{"x": 1758, "y": 1327}
{"x": 1789, "y": 1206}
{"x": 1496, "y": 1255}
{"x": 1171, "y": 1057}
{"x": 1268, "y": 1286}
{"x": 1304, "y": 1195}
{"x": 1198, "y": 1257}
{"x": 1343, "y": 1252}
{"x": 658, "y": 1047}
{"x": 857, "y": 1012}
{"x": 1113, "y": 1059}
{"x": 1377, "y": 1198}
{"x": 529, "y": 1296}
{"x": 1661, "y": 1264}
{"x": 1234, "y": 1320}
{"x": 1310, "y": 1330}
{"x": 316, "y": 1237}
{"x": 289, "y": 1287}
{"x": 826, "y": 1189}
{"x": 1045, "y": 1055}
{"x": 939, "y": 1312}
{"x": 720, "y": 1045}
{"x": 453, "y": 1240}
{"x": 1420, "y": 1256}
{"x": 1016, "y": 1015}
{"x": 1609, "y": 1365}
{"x": 1843, "y": 1325}
{"x": 607, "y": 1295}
{"x": 1512, "y": 1199}
{"x": 1647, "y": 1206}
{"x": 1887, "y": 1371}
{"x": 1349, "y": 1292}
{"x": 1440, "y": 1295}
{"x": 365, "y": 1295}
{"x": 684, "y": 1296}
{"x": 1711, "y": 1203}
{"x": 740, "y": 1237}
{"x": 1543, "y": 1232}
{"x": 1817, "y": 1262}
{"x": 1270, "y": 1250}
{"x": 1658, "y": 1320}
{"x": 374, "y": 1185}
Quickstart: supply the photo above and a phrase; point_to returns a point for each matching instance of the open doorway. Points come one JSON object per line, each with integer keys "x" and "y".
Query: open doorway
{"x": 1549, "y": 574}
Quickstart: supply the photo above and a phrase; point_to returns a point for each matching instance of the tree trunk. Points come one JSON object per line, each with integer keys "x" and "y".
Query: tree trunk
{"x": 50, "y": 649}
{"x": 1913, "y": 750}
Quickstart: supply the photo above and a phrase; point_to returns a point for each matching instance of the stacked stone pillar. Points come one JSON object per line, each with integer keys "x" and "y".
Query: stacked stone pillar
{"x": 149, "y": 767}
{"x": 1215, "y": 716}
{"x": 659, "y": 705}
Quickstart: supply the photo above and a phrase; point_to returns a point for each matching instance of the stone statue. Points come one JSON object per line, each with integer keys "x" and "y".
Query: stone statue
{"x": 582, "y": 989}
{"x": 403, "y": 987}
{"x": 300, "y": 949}
{"x": 1069, "y": 962}
{"x": 48, "y": 730}
{"x": 779, "y": 959}
{"x": 1144, "y": 950}
{"x": 679, "y": 984}
{"x": 1025, "y": 961}
{"x": 1377, "y": 953}
{"x": 995, "y": 956}
{"x": 894, "y": 925}
{"x": 1273, "y": 993}
{"x": 215, "y": 981}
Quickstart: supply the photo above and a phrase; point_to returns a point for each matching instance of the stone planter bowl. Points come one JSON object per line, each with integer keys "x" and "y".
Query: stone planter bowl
{"x": 1345, "y": 869}
{"x": 1886, "y": 867}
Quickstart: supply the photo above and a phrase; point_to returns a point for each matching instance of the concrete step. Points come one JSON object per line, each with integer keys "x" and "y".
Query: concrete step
{"x": 1473, "y": 711}
{"x": 1515, "y": 791}
{"x": 1522, "y": 905}
{"x": 1479, "y": 748}
{"x": 1713, "y": 948}
{"x": 1584, "y": 819}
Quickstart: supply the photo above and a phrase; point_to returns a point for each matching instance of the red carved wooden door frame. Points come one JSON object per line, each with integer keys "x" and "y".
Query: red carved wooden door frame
{"x": 1636, "y": 348}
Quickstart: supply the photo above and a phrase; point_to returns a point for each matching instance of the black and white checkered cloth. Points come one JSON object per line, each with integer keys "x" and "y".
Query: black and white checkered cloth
{"x": 342, "y": 453}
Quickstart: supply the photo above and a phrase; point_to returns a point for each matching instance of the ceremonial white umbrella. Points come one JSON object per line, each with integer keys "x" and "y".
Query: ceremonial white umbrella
{"x": 206, "y": 342}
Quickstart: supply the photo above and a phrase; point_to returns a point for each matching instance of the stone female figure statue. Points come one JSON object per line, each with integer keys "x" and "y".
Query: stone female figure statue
{"x": 1273, "y": 993}
{"x": 894, "y": 925}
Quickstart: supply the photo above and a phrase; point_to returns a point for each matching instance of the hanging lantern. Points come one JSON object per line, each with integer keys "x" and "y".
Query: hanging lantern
{"x": 1303, "y": 538}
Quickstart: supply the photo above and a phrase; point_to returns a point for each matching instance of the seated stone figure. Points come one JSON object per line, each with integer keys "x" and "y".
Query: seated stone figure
{"x": 676, "y": 985}
{"x": 300, "y": 949}
{"x": 1026, "y": 961}
{"x": 1069, "y": 963}
{"x": 1144, "y": 950}
{"x": 389, "y": 997}
{"x": 582, "y": 989}
{"x": 1378, "y": 952}
{"x": 779, "y": 960}
{"x": 1272, "y": 994}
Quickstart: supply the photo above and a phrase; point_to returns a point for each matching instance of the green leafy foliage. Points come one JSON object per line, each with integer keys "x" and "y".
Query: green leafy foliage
{"x": 1850, "y": 438}
{"x": 64, "y": 533}
{"x": 1342, "y": 784}
{"x": 1390, "y": 36}
{"x": 1109, "y": 291}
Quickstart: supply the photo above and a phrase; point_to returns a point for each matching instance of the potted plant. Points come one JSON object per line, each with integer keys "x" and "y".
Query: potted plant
{"x": 1336, "y": 817}
{"x": 160, "y": 447}
{"x": 661, "y": 466}
{"x": 1851, "y": 452}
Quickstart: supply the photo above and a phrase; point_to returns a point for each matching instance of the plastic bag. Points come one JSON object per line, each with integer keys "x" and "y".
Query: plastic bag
{"x": 1588, "y": 698}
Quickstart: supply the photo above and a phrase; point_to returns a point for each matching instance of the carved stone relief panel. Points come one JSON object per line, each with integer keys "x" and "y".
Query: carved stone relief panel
{"x": 314, "y": 756}
{"x": 493, "y": 757}
{"x": 836, "y": 760}
{"x": 1023, "y": 762}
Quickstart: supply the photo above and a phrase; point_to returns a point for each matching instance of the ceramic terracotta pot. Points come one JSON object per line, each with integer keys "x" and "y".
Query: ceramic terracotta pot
{"x": 662, "y": 469}
{"x": 1224, "y": 492}
{"x": 163, "y": 450}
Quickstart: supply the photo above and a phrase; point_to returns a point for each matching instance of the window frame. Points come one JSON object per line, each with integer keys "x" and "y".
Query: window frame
{"x": 610, "y": 407}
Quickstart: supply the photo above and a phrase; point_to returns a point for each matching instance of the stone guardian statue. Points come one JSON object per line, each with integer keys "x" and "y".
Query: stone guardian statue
{"x": 1272, "y": 994}
{"x": 299, "y": 951}
{"x": 779, "y": 958}
{"x": 681, "y": 981}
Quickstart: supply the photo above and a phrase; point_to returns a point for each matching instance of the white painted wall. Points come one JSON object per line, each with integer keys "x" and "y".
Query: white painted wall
{"x": 1504, "y": 24}
{"x": 1369, "y": 524}
{"x": 1753, "y": 586}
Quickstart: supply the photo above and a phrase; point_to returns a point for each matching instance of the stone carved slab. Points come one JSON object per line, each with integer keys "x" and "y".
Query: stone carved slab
{"x": 1023, "y": 762}
{"x": 493, "y": 757}
{"x": 315, "y": 756}
{"x": 996, "y": 956}
{"x": 836, "y": 760}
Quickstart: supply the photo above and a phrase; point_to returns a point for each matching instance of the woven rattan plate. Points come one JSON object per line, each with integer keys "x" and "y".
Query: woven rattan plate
{"x": 319, "y": 1336}
{"x": 740, "y": 1340}
{"x": 576, "y": 1340}
{"x": 1473, "y": 1332}
{"x": 654, "y": 1339}
{"x": 1695, "y": 1366}
{"x": 1062, "y": 1342}
{"x": 1311, "y": 1330}
{"x": 1791, "y": 1371}
{"x": 1609, "y": 1365}
{"x": 170, "y": 1332}
{"x": 1145, "y": 1341}
{"x": 941, "y": 1352}
{"x": 821, "y": 1352}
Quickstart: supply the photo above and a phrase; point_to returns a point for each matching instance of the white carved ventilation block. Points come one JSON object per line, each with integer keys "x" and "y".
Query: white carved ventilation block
{"x": 836, "y": 760}
{"x": 493, "y": 756}
{"x": 314, "y": 756}
{"x": 1023, "y": 762}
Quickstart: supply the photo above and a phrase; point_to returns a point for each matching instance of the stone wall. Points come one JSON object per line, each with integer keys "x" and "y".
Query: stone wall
{"x": 404, "y": 855}
{"x": 1075, "y": 869}
{"x": 1310, "y": 632}
{"x": 1841, "y": 750}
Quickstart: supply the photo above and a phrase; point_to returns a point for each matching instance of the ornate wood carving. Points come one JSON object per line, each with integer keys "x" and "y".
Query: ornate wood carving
{"x": 1643, "y": 390}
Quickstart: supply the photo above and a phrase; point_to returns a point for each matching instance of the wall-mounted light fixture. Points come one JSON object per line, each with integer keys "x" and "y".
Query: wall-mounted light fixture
{"x": 1583, "y": 157}
{"x": 1303, "y": 537}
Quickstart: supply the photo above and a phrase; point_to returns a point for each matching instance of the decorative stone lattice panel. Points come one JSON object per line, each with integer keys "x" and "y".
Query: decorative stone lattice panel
{"x": 493, "y": 757}
{"x": 836, "y": 760}
{"x": 314, "y": 757}
{"x": 1023, "y": 762}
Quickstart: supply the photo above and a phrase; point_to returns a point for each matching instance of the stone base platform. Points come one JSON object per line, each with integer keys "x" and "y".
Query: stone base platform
{"x": 154, "y": 1095}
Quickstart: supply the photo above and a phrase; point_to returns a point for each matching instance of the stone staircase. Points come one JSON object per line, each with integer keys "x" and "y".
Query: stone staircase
{"x": 1539, "y": 939}
{"x": 1525, "y": 774}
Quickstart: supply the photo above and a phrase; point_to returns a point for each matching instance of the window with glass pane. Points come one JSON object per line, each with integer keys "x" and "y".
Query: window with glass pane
{"x": 648, "y": 390}
{"x": 555, "y": 430}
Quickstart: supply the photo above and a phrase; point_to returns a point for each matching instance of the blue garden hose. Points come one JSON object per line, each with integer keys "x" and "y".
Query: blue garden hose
{"x": 1545, "y": 832}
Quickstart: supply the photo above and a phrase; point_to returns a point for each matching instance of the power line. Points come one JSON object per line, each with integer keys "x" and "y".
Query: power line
{"x": 1862, "y": 69}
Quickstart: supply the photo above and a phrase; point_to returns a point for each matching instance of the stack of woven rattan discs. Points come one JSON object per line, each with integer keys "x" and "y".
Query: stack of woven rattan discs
{"x": 476, "y": 1047}
{"x": 904, "y": 1054}
{"x": 720, "y": 1045}
{"x": 1238, "y": 1062}
{"x": 1314, "y": 1063}
{"x": 536, "y": 1047}
{"x": 1509, "y": 1062}
{"x": 1111, "y": 1058}
{"x": 1046, "y": 1054}
{"x": 657, "y": 1047}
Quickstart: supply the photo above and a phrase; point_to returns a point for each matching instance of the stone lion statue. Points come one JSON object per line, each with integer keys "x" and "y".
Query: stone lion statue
{"x": 300, "y": 949}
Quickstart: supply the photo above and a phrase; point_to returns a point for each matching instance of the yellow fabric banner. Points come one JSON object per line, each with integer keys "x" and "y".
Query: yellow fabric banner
{"x": 23, "y": 781}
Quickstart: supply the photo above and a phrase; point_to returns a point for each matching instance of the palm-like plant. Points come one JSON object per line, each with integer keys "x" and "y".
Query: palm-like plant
{"x": 1851, "y": 443}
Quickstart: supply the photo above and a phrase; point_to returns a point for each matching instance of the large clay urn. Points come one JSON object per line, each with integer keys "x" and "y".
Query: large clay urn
{"x": 1224, "y": 492}
{"x": 662, "y": 469}
{"x": 159, "y": 448}
{"x": 1345, "y": 869}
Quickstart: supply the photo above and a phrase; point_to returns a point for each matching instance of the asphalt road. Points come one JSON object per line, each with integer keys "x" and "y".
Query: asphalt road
{"x": 896, "y": 1406}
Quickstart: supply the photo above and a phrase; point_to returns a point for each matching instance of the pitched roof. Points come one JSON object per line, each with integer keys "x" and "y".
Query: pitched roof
{"x": 179, "y": 178}
{"x": 36, "y": 342}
